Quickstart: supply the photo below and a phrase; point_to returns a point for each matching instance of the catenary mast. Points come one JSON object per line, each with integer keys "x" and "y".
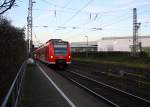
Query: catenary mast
{"x": 29, "y": 28}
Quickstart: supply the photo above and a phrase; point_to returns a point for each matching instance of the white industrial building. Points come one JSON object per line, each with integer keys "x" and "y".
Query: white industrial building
{"x": 84, "y": 46}
{"x": 110, "y": 44}
{"x": 121, "y": 43}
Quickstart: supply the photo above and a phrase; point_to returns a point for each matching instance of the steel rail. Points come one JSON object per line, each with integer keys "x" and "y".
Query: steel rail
{"x": 145, "y": 100}
{"x": 98, "y": 95}
{"x": 114, "y": 104}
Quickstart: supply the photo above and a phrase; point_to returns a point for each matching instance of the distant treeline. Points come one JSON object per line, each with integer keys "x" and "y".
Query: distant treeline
{"x": 12, "y": 52}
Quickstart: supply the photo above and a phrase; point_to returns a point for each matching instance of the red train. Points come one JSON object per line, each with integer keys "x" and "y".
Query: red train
{"x": 55, "y": 51}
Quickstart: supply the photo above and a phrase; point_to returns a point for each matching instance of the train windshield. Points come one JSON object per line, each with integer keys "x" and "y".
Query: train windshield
{"x": 60, "y": 49}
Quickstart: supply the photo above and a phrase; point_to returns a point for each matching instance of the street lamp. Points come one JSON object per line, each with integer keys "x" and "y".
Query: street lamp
{"x": 86, "y": 46}
{"x": 86, "y": 41}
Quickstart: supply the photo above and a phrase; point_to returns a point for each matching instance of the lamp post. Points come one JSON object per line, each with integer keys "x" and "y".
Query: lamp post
{"x": 86, "y": 46}
{"x": 86, "y": 41}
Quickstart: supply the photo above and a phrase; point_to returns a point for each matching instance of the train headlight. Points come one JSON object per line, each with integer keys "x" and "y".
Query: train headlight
{"x": 52, "y": 57}
{"x": 69, "y": 56}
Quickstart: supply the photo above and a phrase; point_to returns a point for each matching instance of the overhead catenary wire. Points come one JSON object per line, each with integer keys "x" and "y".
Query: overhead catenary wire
{"x": 116, "y": 22}
{"x": 106, "y": 25}
{"x": 73, "y": 16}
{"x": 60, "y": 10}
{"x": 89, "y": 22}
{"x": 121, "y": 19}
{"x": 67, "y": 3}
{"x": 58, "y": 6}
{"x": 68, "y": 20}
{"x": 100, "y": 15}
{"x": 56, "y": 11}
{"x": 65, "y": 6}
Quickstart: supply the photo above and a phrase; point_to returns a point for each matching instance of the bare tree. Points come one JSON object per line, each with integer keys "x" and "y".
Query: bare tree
{"x": 6, "y": 5}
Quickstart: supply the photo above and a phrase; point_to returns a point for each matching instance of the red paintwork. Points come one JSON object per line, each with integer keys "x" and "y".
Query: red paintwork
{"x": 46, "y": 53}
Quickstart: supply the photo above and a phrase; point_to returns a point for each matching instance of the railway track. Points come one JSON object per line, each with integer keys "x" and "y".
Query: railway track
{"x": 144, "y": 75}
{"x": 133, "y": 83}
{"x": 111, "y": 95}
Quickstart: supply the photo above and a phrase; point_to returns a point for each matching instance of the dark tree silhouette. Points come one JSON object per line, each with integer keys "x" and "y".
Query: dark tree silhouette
{"x": 12, "y": 53}
{"x": 6, "y": 5}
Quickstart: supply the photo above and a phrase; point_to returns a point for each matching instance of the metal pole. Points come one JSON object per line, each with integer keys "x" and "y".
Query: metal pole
{"x": 29, "y": 27}
{"x": 136, "y": 27}
{"x": 86, "y": 46}
{"x": 134, "y": 31}
{"x": 86, "y": 40}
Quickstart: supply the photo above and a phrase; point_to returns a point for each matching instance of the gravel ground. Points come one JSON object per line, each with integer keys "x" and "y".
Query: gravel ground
{"x": 111, "y": 75}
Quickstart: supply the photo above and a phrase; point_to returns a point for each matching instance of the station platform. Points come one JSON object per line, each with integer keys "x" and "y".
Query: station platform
{"x": 38, "y": 92}
{"x": 43, "y": 87}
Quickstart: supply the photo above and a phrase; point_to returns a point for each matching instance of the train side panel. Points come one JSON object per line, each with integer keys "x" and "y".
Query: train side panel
{"x": 51, "y": 55}
{"x": 68, "y": 57}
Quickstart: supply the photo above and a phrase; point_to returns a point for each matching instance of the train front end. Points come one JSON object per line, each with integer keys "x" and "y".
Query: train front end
{"x": 61, "y": 53}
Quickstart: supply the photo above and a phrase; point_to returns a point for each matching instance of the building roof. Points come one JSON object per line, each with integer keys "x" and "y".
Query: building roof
{"x": 125, "y": 37}
{"x": 84, "y": 44}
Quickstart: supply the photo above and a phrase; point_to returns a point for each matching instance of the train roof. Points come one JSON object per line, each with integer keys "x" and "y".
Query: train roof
{"x": 57, "y": 41}
{"x": 53, "y": 41}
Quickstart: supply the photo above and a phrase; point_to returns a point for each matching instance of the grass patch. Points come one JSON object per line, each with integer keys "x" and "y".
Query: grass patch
{"x": 124, "y": 61}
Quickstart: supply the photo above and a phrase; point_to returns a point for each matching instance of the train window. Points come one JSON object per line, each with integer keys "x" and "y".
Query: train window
{"x": 60, "y": 46}
{"x": 61, "y": 50}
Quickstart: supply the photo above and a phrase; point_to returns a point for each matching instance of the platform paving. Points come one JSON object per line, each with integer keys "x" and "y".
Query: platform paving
{"x": 77, "y": 95}
{"x": 39, "y": 92}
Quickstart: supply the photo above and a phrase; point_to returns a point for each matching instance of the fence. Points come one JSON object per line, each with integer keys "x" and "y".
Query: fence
{"x": 106, "y": 54}
{"x": 14, "y": 94}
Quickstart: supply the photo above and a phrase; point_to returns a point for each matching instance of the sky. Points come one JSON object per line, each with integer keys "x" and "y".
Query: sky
{"x": 73, "y": 20}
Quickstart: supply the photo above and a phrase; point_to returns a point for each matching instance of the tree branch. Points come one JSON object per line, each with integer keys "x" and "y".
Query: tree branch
{"x": 6, "y": 5}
